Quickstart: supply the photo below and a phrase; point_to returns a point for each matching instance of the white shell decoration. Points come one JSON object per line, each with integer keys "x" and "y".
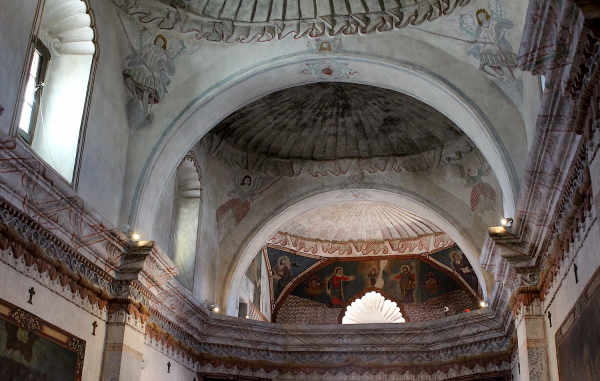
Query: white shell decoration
{"x": 372, "y": 308}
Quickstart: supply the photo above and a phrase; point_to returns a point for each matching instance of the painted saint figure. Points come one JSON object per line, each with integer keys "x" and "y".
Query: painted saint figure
{"x": 464, "y": 269}
{"x": 282, "y": 274}
{"x": 147, "y": 77}
{"x": 334, "y": 286}
{"x": 407, "y": 285}
{"x": 373, "y": 276}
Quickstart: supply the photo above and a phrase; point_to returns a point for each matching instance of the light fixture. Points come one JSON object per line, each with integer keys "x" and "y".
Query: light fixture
{"x": 247, "y": 317}
{"x": 506, "y": 221}
{"x": 135, "y": 236}
{"x": 214, "y": 308}
{"x": 482, "y": 304}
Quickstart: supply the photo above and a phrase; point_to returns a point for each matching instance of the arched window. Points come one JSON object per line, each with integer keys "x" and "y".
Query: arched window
{"x": 58, "y": 86}
{"x": 186, "y": 218}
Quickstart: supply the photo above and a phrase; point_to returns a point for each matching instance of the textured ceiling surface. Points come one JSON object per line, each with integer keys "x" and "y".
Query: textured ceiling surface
{"x": 365, "y": 221}
{"x": 327, "y": 121}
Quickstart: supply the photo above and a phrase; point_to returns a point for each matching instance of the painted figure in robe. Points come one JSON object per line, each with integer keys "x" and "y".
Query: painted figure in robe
{"x": 464, "y": 269}
{"x": 147, "y": 77}
{"x": 407, "y": 285}
{"x": 334, "y": 286}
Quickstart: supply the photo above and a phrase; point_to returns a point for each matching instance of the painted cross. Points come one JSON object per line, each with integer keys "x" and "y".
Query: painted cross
{"x": 31, "y": 293}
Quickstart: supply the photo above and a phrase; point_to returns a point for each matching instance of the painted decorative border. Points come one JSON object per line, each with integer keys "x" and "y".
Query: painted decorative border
{"x": 42, "y": 328}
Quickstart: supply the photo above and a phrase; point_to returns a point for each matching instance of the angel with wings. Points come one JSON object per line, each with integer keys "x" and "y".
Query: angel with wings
{"x": 150, "y": 66}
{"x": 491, "y": 48}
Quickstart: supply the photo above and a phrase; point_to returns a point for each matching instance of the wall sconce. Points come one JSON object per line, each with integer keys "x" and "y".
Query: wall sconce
{"x": 214, "y": 308}
{"x": 506, "y": 221}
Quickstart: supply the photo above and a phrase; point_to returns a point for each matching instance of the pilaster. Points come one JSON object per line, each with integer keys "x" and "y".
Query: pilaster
{"x": 531, "y": 333}
{"x": 126, "y": 325}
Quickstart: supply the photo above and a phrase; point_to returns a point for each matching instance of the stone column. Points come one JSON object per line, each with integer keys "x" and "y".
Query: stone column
{"x": 126, "y": 326}
{"x": 531, "y": 333}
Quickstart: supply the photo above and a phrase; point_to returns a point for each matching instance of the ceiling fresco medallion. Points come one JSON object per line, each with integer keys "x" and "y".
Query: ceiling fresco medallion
{"x": 329, "y": 70}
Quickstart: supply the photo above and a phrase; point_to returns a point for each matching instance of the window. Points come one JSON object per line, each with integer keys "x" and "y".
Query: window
{"x": 54, "y": 124}
{"x": 33, "y": 91}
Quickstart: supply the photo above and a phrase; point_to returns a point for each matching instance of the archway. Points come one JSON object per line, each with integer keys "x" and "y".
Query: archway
{"x": 266, "y": 231}
{"x": 238, "y": 90}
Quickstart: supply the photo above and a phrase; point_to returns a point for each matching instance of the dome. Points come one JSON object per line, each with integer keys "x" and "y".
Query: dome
{"x": 359, "y": 221}
{"x": 328, "y": 121}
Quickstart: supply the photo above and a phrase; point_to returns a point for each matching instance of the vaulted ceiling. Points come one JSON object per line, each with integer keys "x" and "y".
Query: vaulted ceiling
{"x": 327, "y": 121}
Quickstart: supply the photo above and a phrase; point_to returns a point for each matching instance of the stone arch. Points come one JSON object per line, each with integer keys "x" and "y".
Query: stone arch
{"x": 265, "y": 232}
{"x": 226, "y": 97}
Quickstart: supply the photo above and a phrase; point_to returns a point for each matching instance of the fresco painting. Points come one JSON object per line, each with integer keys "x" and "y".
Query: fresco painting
{"x": 31, "y": 349}
{"x": 409, "y": 280}
{"x": 284, "y": 267}
{"x": 455, "y": 260}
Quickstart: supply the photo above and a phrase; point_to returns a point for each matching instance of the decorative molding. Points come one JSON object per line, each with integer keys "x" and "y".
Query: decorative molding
{"x": 212, "y": 27}
{"x": 421, "y": 245}
{"x": 451, "y": 153}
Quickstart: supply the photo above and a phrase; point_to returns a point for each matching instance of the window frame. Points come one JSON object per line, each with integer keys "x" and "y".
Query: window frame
{"x": 45, "y": 56}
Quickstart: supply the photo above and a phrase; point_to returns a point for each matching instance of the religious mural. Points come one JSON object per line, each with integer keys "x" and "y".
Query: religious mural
{"x": 150, "y": 66}
{"x": 454, "y": 259}
{"x": 254, "y": 273}
{"x": 31, "y": 349}
{"x": 409, "y": 280}
{"x": 284, "y": 267}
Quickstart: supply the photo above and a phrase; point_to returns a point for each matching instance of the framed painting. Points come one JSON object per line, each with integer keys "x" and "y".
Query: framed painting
{"x": 32, "y": 349}
{"x": 577, "y": 339}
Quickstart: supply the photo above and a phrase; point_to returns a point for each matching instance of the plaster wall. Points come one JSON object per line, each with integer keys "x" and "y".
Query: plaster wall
{"x": 104, "y": 155}
{"x": 58, "y": 311}
{"x": 103, "y": 158}
{"x": 587, "y": 262}
{"x": 16, "y": 20}
{"x": 155, "y": 367}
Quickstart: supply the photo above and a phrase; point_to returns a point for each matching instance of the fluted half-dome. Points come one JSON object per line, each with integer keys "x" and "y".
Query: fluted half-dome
{"x": 372, "y": 308}
{"x": 328, "y": 121}
{"x": 365, "y": 221}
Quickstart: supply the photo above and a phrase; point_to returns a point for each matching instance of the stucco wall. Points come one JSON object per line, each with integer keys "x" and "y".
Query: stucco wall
{"x": 58, "y": 311}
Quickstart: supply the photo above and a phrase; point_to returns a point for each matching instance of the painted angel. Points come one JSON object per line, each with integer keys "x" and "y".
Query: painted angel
{"x": 150, "y": 65}
{"x": 491, "y": 48}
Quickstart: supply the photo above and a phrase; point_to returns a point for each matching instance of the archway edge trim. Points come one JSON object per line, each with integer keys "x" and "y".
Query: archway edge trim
{"x": 258, "y": 240}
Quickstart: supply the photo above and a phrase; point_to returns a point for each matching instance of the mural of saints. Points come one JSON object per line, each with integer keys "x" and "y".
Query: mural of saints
{"x": 407, "y": 285}
{"x": 334, "y": 286}
{"x": 464, "y": 269}
{"x": 491, "y": 48}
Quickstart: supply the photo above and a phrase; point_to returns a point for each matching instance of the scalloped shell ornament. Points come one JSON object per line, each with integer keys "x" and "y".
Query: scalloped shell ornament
{"x": 372, "y": 308}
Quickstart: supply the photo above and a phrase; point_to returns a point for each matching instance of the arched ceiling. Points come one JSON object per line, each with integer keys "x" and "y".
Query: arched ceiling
{"x": 327, "y": 121}
{"x": 362, "y": 221}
